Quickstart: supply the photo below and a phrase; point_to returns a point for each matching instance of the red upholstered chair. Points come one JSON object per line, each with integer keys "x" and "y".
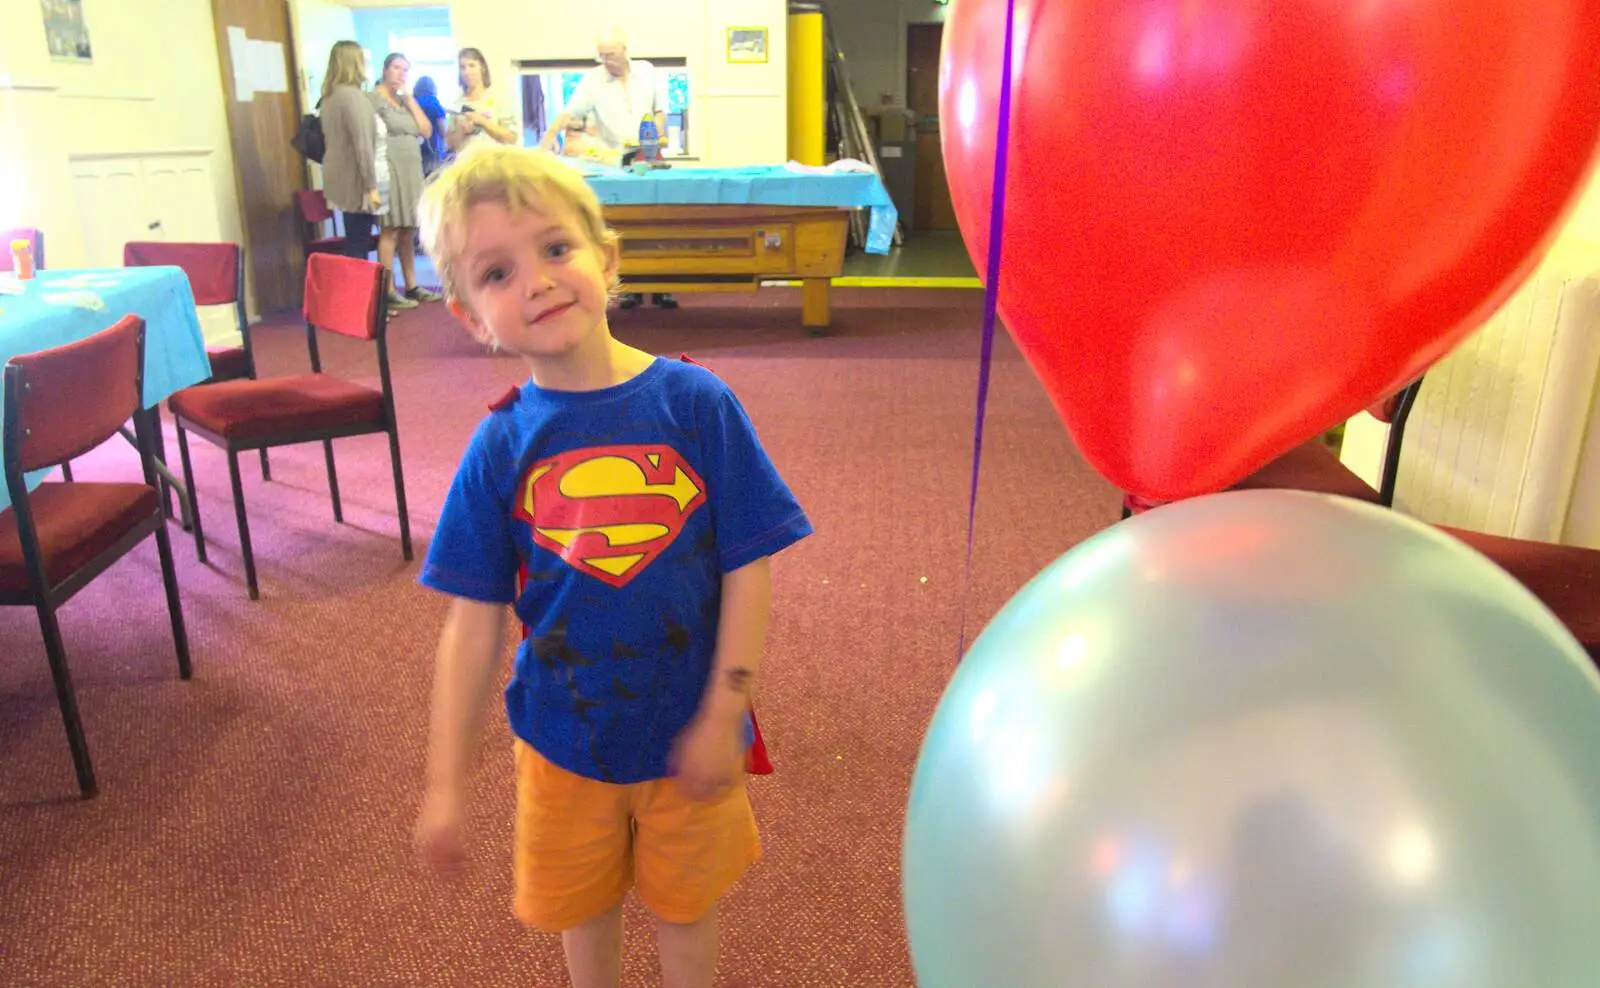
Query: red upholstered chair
{"x": 1312, "y": 466}
{"x": 315, "y": 211}
{"x": 343, "y": 295}
{"x": 1566, "y": 578}
{"x": 216, "y": 276}
{"x": 59, "y": 404}
{"x": 28, "y": 233}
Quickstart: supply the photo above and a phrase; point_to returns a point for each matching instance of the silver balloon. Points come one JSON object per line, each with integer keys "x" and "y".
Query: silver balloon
{"x": 1262, "y": 739}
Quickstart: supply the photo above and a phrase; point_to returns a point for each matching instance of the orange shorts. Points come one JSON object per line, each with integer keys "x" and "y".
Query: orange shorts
{"x": 581, "y": 844}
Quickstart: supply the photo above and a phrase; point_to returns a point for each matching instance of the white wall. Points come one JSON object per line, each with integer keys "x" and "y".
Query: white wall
{"x": 155, "y": 85}
{"x": 738, "y": 112}
{"x": 872, "y": 36}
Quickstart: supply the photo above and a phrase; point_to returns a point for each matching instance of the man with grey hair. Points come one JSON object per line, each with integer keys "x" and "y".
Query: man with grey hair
{"x": 614, "y": 97}
{"x": 617, "y": 94}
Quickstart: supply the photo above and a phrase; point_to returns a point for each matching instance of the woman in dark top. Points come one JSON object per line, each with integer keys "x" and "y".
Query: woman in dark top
{"x": 426, "y": 94}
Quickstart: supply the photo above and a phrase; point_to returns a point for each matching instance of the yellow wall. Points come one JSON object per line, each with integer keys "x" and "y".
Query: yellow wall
{"x": 155, "y": 85}
{"x": 738, "y": 112}
{"x": 1581, "y": 235}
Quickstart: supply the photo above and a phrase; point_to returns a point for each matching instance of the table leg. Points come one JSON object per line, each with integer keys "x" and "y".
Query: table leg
{"x": 814, "y": 313}
{"x": 159, "y": 438}
{"x": 168, "y": 481}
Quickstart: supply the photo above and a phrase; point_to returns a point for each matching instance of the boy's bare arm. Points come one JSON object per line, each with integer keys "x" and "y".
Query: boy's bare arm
{"x": 469, "y": 653}
{"x": 741, "y": 638}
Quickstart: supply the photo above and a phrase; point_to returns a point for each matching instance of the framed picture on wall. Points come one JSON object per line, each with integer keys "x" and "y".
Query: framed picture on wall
{"x": 747, "y": 44}
{"x": 65, "y": 32}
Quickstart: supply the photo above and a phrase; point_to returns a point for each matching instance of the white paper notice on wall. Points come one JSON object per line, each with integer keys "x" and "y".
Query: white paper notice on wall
{"x": 271, "y": 75}
{"x": 890, "y": 151}
{"x": 239, "y": 56}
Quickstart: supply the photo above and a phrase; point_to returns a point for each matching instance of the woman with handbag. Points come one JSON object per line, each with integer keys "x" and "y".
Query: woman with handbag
{"x": 350, "y": 166}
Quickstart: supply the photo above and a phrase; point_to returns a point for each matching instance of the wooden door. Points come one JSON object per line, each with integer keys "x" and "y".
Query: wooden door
{"x": 260, "y": 123}
{"x": 933, "y": 209}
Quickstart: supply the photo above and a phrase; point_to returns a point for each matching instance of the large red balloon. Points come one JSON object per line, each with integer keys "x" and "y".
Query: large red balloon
{"x": 1231, "y": 224}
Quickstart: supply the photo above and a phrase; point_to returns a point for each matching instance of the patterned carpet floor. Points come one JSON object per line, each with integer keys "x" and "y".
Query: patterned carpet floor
{"x": 253, "y": 827}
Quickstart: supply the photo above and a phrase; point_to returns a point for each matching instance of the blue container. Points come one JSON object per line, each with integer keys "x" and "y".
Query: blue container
{"x": 649, "y": 140}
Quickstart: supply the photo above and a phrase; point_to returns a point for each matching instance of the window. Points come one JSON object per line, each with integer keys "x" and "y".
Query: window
{"x": 547, "y": 87}
{"x": 421, "y": 34}
{"x": 432, "y": 56}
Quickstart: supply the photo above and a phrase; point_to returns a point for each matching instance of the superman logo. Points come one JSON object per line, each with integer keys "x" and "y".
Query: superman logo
{"x": 609, "y": 511}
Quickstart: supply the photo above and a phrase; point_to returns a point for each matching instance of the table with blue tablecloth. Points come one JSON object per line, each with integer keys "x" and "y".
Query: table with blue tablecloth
{"x": 730, "y": 229}
{"x": 63, "y": 306}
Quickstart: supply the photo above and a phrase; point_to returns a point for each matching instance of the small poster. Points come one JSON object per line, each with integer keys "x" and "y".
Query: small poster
{"x": 241, "y": 57}
{"x": 268, "y": 63}
{"x": 65, "y": 32}
{"x": 747, "y": 44}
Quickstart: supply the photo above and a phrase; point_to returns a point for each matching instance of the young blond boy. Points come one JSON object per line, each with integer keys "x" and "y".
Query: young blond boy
{"x": 622, "y": 505}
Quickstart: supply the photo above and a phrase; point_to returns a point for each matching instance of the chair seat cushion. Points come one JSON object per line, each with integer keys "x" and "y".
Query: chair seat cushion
{"x": 1310, "y": 466}
{"x": 278, "y": 406}
{"x": 76, "y": 522}
{"x": 1565, "y": 577}
{"x": 228, "y": 363}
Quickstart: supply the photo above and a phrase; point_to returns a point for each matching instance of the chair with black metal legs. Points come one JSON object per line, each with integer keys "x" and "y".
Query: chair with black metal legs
{"x": 343, "y": 295}
{"x": 1312, "y": 466}
{"x": 55, "y": 539}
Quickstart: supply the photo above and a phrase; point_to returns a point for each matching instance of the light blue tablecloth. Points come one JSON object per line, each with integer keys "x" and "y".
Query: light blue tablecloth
{"x": 767, "y": 185}
{"x": 64, "y": 305}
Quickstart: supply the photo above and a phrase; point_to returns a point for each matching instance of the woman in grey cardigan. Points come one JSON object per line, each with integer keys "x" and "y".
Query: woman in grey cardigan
{"x": 350, "y": 166}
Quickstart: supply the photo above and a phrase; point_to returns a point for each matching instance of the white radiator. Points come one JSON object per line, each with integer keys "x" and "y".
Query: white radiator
{"x": 1496, "y": 441}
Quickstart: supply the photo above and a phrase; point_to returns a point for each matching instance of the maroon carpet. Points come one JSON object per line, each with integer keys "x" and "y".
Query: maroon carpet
{"x": 253, "y": 824}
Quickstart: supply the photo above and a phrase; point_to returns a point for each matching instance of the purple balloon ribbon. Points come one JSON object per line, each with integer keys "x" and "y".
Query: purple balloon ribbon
{"x": 991, "y": 298}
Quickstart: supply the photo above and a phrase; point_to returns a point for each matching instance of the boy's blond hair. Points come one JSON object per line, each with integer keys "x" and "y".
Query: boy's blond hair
{"x": 514, "y": 177}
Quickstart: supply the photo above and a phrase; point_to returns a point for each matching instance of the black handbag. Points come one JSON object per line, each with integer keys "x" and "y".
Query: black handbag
{"x": 309, "y": 139}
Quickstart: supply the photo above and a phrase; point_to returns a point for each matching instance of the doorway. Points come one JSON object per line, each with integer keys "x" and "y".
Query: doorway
{"x": 932, "y": 208}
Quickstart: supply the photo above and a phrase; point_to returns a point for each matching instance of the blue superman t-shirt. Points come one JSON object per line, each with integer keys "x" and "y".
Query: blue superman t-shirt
{"x": 607, "y": 518}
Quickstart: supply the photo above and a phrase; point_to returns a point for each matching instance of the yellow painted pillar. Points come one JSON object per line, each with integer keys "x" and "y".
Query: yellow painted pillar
{"x": 808, "y": 88}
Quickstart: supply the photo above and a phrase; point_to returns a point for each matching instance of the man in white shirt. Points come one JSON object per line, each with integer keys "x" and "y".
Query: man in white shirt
{"x": 615, "y": 96}
{"x": 618, "y": 94}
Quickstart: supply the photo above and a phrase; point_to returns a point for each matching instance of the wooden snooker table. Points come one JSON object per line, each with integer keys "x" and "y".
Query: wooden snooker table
{"x": 730, "y": 229}
{"x": 720, "y": 248}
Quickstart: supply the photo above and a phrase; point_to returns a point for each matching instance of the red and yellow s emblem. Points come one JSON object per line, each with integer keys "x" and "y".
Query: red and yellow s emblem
{"x": 609, "y": 511}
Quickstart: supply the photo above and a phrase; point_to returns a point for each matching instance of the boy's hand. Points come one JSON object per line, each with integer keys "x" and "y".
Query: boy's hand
{"x": 708, "y": 757}
{"x": 439, "y": 834}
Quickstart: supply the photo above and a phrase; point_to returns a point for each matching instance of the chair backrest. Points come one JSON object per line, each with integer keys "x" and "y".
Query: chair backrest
{"x": 61, "y": 403}
{"x": 346, "y": 295}
{"x": 216, "y": 271}
{"x": 32, "y": 234}
{"x": 313, "y": 205}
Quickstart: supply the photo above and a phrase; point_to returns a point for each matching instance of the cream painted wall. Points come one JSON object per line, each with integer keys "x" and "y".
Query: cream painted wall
{"x": 739, "y": 112}
{"x": 155, "y": 85}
